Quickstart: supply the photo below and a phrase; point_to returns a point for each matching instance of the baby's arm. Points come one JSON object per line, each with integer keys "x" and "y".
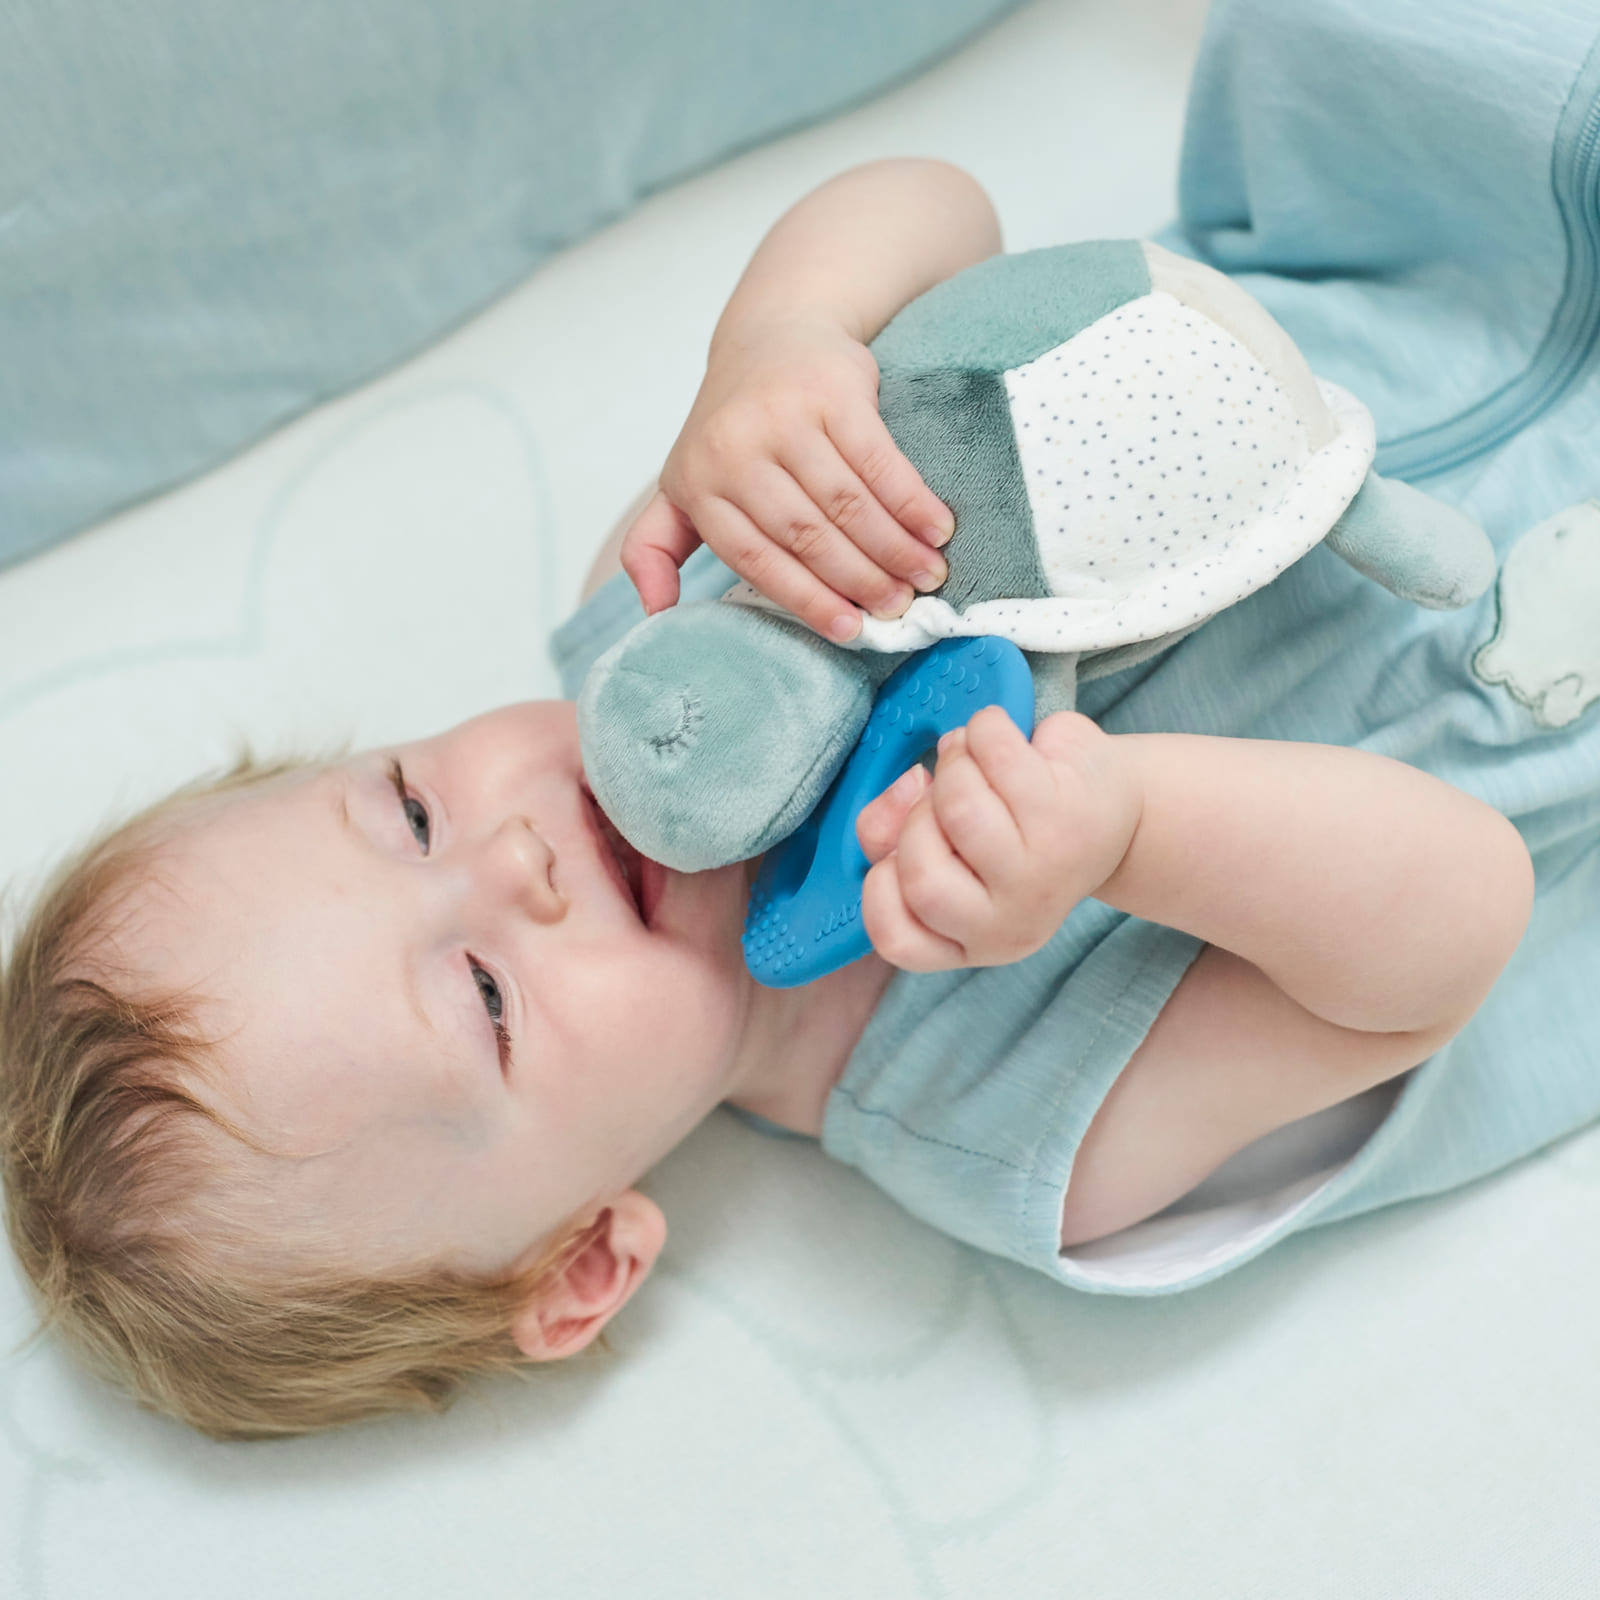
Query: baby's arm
{"x": 1377, "y": 896}
{"x": 1357, "y": 912}
{"x": 784, "y": 466}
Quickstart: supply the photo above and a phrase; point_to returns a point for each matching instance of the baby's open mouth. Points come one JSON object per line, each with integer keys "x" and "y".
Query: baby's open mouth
{"x": 628, "y": 861}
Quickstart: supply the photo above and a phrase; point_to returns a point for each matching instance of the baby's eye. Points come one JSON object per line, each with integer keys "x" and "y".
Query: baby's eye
{"x": 493, "y": 1002}
{"x": 415, "y": 812}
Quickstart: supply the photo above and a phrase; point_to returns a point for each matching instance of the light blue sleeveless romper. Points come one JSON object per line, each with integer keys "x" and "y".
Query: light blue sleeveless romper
{"x": 1413, "y": 190}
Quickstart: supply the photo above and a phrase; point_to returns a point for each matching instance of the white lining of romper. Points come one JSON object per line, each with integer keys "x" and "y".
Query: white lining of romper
{"x": 1257, "y": 1192}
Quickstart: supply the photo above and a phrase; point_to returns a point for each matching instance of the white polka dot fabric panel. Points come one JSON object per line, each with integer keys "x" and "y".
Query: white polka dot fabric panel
{"x": 1148, "y": 441}
{"x": 1159, "y": 458}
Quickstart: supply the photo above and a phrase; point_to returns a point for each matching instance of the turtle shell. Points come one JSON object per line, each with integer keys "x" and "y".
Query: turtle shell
{"x": 1130, "y": 445}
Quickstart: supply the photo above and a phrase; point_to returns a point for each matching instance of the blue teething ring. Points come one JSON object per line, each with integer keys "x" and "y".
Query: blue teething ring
{"x": 804, "y": 917}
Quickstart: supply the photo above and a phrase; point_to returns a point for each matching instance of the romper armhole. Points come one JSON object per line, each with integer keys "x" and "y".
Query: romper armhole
{"x": 1253, "y": 1198}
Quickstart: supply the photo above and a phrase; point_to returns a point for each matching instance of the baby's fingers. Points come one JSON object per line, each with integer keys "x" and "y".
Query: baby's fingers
{"x": 939, "y": 889}
{"x": 976, "y": 821}
{"x": 785, "y": 509}
{"x": 659, "y": 541}
{"x": 895, "y": 932}
{"x": 867, "y": 445}
{"x": 1019, "y": 773}
{"x": 895, "y": 557}
{"x": 879, "y": 822}
{"x": 766, "y": 565}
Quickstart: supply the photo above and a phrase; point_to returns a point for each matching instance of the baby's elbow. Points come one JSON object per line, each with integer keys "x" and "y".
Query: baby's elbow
{"x": 958, "y": 197}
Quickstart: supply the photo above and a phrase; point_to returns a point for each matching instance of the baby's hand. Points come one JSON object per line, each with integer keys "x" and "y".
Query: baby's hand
{"x": 979, "y": 864}
{"x": 787, "y": 471}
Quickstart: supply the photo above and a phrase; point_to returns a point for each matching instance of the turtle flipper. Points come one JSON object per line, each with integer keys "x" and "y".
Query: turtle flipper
{"x": 1415, "y": 546}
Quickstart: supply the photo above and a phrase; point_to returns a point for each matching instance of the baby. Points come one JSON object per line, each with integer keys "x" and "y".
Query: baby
{"x": 325, "y": 1086}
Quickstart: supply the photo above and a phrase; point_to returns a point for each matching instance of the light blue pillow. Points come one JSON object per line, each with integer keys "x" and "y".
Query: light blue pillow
{"x": 212, "y": 217}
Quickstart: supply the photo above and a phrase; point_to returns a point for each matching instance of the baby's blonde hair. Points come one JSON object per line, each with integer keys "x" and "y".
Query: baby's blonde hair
{"x": 104, "y": 1156}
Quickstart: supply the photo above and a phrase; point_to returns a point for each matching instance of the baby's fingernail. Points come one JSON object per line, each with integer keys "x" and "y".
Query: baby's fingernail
{"x": 844, "y": 627}
{"x": 938, "y": 535}
{"x": 895, "y": 605}
{"x": 928, "y": 579}
{"x": 948, "y": 739}
{"x": 908, "y": 782}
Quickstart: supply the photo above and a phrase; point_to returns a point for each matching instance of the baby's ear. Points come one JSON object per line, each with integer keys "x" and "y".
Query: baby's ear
{"x": 619, "y": 1248}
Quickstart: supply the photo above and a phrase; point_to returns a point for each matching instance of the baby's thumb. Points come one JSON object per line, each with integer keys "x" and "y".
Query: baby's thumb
{"x": 660, "y": 540}
{"x": 879, "y": 822}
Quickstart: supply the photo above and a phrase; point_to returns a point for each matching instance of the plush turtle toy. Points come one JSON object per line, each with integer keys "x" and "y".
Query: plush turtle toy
{"x": 1129, "y": 445}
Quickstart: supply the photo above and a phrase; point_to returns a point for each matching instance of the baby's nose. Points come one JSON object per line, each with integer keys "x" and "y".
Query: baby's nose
{"x": 519, "y": 867}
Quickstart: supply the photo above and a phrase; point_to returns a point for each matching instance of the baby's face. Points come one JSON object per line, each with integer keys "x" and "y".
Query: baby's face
{"x": 444, "y": 995}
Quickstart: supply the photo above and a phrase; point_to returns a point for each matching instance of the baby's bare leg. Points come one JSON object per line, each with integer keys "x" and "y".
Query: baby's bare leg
{"x": 1230, "y": 1058}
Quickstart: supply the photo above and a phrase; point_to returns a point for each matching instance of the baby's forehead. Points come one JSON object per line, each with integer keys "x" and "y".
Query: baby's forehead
{"x": 234, "y": 823}
{"x": 211, "y": 868}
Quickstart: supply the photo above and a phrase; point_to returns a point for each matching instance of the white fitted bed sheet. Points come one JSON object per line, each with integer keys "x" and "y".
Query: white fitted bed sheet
{"x": 816, "y": 1394}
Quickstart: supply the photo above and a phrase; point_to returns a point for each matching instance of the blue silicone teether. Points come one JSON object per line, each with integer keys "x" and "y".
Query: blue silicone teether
{"x": 804, "y": 917}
